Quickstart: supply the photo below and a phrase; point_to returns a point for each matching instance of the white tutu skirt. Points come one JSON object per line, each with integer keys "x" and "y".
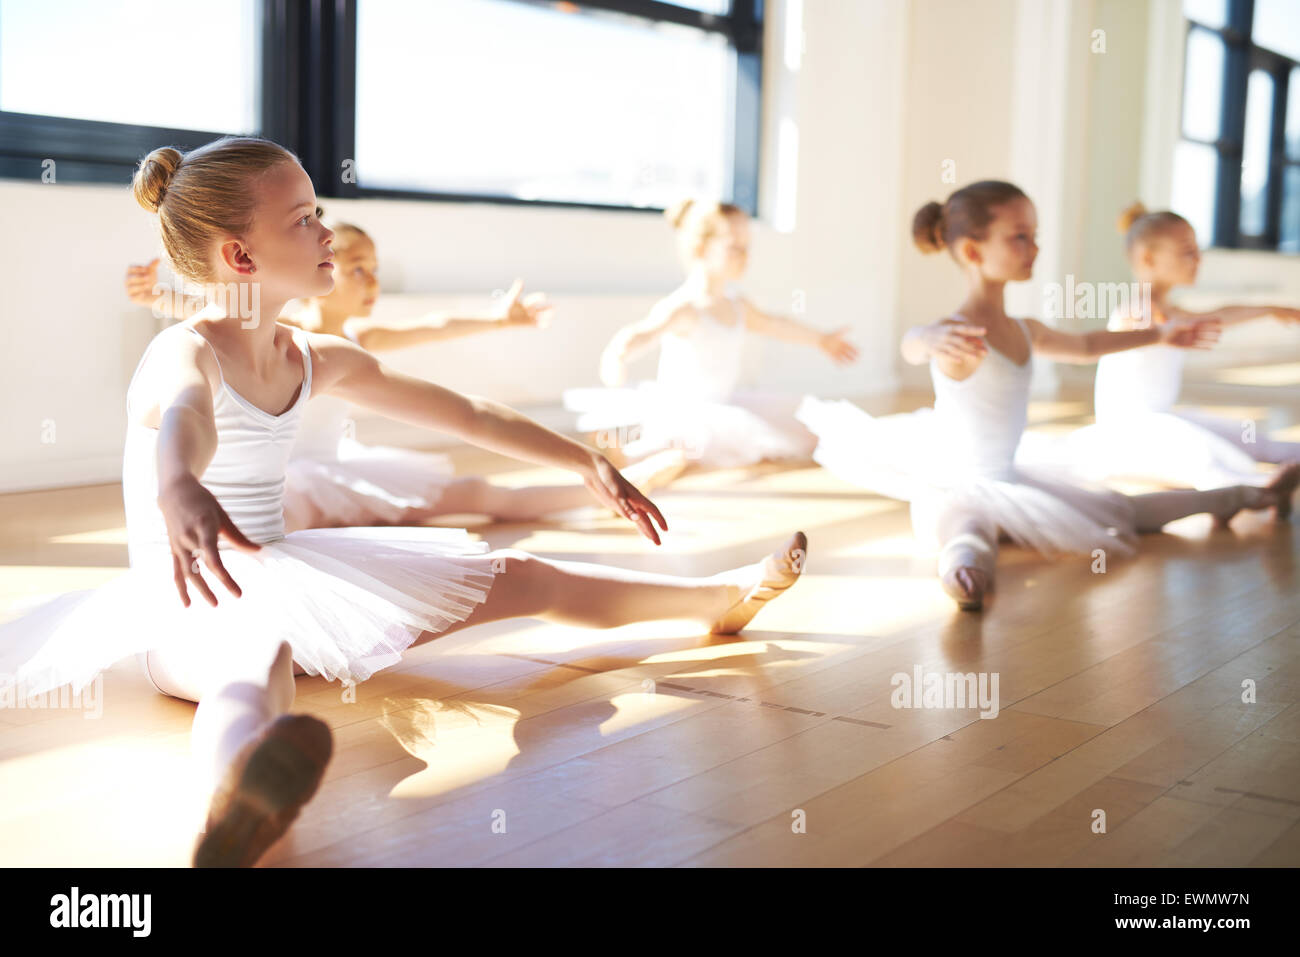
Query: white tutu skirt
{"x": 363, "y": 485}
{"x": 906, "y": 457}
{"x": 1162, "y": 446}
{"x": 746, "y": 427}
{"x": 348, "y": 601}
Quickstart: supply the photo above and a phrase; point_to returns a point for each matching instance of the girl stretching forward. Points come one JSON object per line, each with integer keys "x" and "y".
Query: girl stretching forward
{"x": 1138, "y": 431}
{"x": 332, "y": 479}
{"x": 213, "y": 409}
{"x": 956, "y": 463}
{"x": 695, "y": 406}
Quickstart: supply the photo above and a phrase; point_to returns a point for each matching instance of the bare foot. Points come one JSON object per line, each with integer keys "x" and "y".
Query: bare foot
{"x": 656, "y": 470}
{"x": 264, "y": 789}
{"x": 967, "y": 586}
{"x": 775, "y": 573}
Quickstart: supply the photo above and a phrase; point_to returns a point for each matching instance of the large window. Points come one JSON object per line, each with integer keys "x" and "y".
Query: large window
{"x": 610, "y": 103}
{"x": 95, "y": 84}
{"x": 1237, "y": 164}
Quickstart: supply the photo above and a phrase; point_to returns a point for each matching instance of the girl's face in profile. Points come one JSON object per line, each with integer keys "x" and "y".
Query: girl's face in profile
{"x": 1172, "y": 257}
{"x": 1008, "y": 251}
{"x": 726, "y": 252}
{"x": 356, "y": 280}
{"x": 289, "y": 245}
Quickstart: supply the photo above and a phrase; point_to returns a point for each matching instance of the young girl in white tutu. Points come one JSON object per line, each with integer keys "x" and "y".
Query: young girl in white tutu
{"x": 213, "y": 410}
{"x": 333, "y": 480}
{"x": 1138, "y": 431}
{"x": 955, "y": 463}
{"x": 695, "y": 406}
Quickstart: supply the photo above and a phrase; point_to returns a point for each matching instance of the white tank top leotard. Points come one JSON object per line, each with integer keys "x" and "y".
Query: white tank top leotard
{"x": 704, "y": 363}
{"x": 983, "y": 416}
{"x": 1148, "y": 379}
{"x": 246, "y": 473}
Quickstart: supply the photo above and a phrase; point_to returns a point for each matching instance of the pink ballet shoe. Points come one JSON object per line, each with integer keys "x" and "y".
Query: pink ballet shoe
{"x": 780, "y": 570}
{"x": 1283, "y": 487}
{"x": 266, "y": 786}
{"x": 967, "y": 585}
{"x": 657, "y": 470}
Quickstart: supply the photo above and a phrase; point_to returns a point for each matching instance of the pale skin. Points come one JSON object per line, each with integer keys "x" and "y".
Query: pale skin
{"x": 1006, "y": 253}
{"x": 1170, "y": 258}
{"x": 288, "y": 252}
{"x": 345, "y": 311}
{"x": 722, "y": 258}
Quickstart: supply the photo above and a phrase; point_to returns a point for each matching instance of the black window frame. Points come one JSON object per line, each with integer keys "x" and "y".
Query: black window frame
{"x": 308, "y": 105}
{"x": 1242, "y": 56}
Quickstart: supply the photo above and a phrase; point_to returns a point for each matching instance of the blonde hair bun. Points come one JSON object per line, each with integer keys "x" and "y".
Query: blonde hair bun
{"x": 154, "y": 175}
{"x": 1131, "y": 214}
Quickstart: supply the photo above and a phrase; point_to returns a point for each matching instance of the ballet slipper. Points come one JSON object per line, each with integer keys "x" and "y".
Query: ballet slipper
{"x": 779, "y": 571}
{"x": 967, "y": 585}
{"x": 1275, "y": 495}
{"x": 260, "y": 795}
{"x": 1283, "y": 487}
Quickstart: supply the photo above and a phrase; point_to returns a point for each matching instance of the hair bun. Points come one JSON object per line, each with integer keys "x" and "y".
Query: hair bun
{"x": 927, "y": 228}
{"x": 676, "y": 213}
{"x": 154, "y": 175}
{"x": 1131, "y": 215}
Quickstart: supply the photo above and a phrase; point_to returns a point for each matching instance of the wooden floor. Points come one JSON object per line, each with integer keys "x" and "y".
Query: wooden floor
{"x": 521, "y": 743}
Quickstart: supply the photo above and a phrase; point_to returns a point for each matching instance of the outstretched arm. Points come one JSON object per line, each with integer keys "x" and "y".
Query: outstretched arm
{"x": 344, "y": 369}
{"x": 633, "y": 341}
{"x": 791, "y": 330}
{"x": 1231, "y": 315}
{"x": 1090, "y": 346}
{"x": 957, "y": 346}
{"x": 511, "y": 312}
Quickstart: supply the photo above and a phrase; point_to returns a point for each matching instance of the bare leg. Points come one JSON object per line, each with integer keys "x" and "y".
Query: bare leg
{"x": 599, "y": 596}
{"x": 1156, "y": 509}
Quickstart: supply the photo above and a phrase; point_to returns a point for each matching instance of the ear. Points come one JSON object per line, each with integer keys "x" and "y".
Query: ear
{"x": 235, "y": 255}
{"x": 969, "y": 252}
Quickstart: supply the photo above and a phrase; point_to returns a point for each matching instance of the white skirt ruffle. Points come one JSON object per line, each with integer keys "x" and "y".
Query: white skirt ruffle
{"x": 348, "y": 601}
{"x": 746, "y": 427}
{"x": 363, "y": 485}
{"x": 906, "y": 457}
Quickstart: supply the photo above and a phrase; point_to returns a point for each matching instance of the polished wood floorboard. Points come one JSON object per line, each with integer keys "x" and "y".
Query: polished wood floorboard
{"x": 522, "y": 743}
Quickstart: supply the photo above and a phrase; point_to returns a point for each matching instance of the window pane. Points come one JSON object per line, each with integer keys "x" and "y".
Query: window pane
{"x": 145, "y": 62}
{"x": 1293, "y": 115}
{"x": 1193, "y": 188}
{"x": 1203, "y": 85}
{"x": 1254, "y": 155}
{"x": 535, "y": 102}
{"x": 720, "y": 7}
{"x": 1289, "y": 240}
{"x": 1213, "y": 13}
{"x": 1277, "y": 26}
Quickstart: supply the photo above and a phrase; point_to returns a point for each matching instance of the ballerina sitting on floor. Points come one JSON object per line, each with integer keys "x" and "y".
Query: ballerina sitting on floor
{"x": 1139, "y": 432}
{"x": 335, "y": 481}
{"x": 956, "y": 463}
{"x": 695, "y": 406}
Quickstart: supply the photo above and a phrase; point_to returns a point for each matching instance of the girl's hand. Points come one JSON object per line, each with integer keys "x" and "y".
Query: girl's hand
{"x": 194, "y": 521}
{"x": 1190, "y": 333}
{"x": 837, "y": 347}
{"x": 141, "y": 282}
{"x": 533, "y": 310}
{"x": 617, "y": 493}
{"x": 958, "y": 341}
